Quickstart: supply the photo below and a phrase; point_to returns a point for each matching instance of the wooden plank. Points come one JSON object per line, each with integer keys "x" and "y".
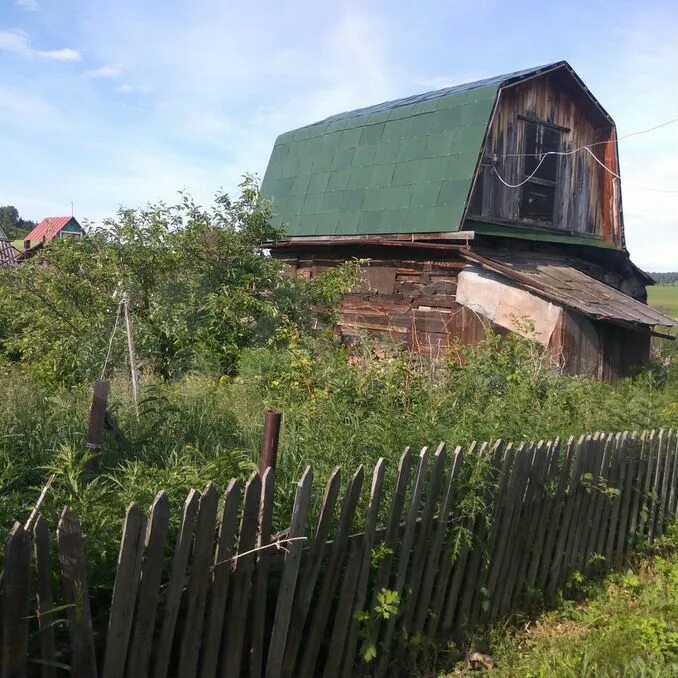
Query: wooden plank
{"x": 666, "y": 479}
{"x": 505, "y": 523}
{"x": 261, "y": 575}
{"x": 445, "y": 532}
{"x": 544, "y": 510}
{"x": 637, "y": 499}
{"x": 365, "y": 565}
{"x": 220, "y": 579}
{"x": 603, "y": 504}
{"x": 242, "y": 579}
{"x": 342, "y": 615}
{"x": 674, "y": 478}
{"x": 391, "y": 537}
{"x": 656, "y": 485}
{"x": 630, "y": 443}
{"x": 124, "y": 593}
{"x": 483, "y": 536}
{"x": 306, "y": 585}
{"x": 15, "y": 603}
{"x": 420, "y": 548}
{"x": 646, "y": 500}
{"x": 43, "y": 577}
{"x": 433, "y": 559}
{"x": 182, "y": 551}
{"x": 562, "y": 459}
{"x": 76, "y": 596}
{"x": 598, "y": 497}
{"x": 149, "y": 588}
{"x": 404, "y": 556}
{"x": 288, "y": 579}
{"x": 620, "y": 460}
{"x": 201, "y": 562}
{"x": 323, "y": 604}
{"x": 533, "y": 506}
{"x": 563, "y": 526}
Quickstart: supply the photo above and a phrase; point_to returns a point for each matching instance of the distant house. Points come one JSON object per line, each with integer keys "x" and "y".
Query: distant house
{"x": 52, "y": 228}
{"x": 491, "y": 204}
{"x": 9, "y": 255}
{"x": 3, "y": 235}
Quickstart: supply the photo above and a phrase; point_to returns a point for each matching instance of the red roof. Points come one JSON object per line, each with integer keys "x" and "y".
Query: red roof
{"x": 48, "y": 229}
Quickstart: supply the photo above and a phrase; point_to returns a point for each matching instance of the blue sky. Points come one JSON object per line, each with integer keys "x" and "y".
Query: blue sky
{"x": 126, "y": 102}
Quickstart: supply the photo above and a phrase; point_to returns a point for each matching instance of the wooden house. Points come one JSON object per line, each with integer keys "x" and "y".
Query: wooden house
{"x": 494, "y": 204}
{"x": 52, "y": 228}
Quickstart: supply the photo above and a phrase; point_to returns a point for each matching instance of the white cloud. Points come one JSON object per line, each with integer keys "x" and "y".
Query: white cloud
{"x": 134, "y": 89}
{"x": 28, "y": 5}
{"x": 103, "y": 73}
{"x": 18, "y": 42}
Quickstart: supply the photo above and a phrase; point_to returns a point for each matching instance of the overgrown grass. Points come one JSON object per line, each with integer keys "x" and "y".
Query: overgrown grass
{"x": 627, "y": 627}
{"x": 341, "y": 407}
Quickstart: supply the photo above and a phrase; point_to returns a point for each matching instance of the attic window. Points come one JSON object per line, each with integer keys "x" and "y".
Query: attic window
{"x": 538, "y": 196}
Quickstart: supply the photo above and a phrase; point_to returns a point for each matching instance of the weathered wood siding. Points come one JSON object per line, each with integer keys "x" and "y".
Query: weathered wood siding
{"x": 587, "y": 198}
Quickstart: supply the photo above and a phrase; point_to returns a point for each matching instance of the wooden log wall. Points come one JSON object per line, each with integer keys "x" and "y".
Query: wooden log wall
{"x": 321, "y": 599}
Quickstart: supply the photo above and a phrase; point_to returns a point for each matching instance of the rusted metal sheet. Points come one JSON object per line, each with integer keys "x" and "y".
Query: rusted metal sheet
{"x": 557, "y": 279}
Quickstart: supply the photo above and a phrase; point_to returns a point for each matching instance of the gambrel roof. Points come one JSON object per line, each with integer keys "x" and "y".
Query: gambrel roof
{"x": 404, "y": 166}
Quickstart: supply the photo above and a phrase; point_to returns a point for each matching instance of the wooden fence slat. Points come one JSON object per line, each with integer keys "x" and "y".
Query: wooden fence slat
{"x": 420, "y": 550}
{"x": 201, "y": 563}
{"x": 563, "y": 458}
{"x": 598, "y": 497}
{"x": 569, "y": 498}
{"x": 288, "y": 579}
{"x": 666, "y": 479}
{"x": 124, "y": 593}
{"x": 306, "y": 584}
{"x": 439, "y": 570}
{"x": 646, "y": 501}
{"x": 261, "y": 575}
{"x": 674, "y": 477}
{"x": 602, "y": 501}
{"x": 505, "y": 528}
{"x": 342, "y": 616}
{"x": 656, "y": 485}
{"x": 579, "y": 522}
{"x": 404, "y": 556}
{"x": 149, "y": 587}
{"x": 182, "y": 551}
{"x": 543, "y": 510}
{"x": 433, "y": 556}
{"x": 236, "y": 620}
{"x": 43, "y": 576}
{"x": 365, "y": 564}
{"x": 220, "y": 579}
{"x": 76, "y": 596}
{"x": 391, "y": 537}
{"x": 15, "y": 603}
{"x": 638, "y": 484}
{"x": 483, "y": 536}
{"x": 329, "y": 583}
{"x": 629, "y": 444}
{"x": 533, "y": 504}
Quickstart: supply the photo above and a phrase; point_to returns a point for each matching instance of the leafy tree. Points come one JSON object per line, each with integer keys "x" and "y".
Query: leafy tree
{"x": 200, "y": 284}
{"x": 12, "y": 224}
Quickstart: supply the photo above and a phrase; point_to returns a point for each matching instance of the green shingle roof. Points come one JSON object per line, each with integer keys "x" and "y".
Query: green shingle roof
{"x": 404, "y": 166}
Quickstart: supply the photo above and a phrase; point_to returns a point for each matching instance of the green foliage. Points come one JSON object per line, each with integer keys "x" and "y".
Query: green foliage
{"x": 201, "y": 290}
{"x": 628, "y": 628}
{"x": 14, "y": 227}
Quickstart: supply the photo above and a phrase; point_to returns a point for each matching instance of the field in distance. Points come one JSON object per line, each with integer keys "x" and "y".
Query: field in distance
{"x": 664, "y": 298}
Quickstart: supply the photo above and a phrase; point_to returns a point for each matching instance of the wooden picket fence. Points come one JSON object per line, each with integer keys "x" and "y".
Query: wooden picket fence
{"x": 318, "y": 600}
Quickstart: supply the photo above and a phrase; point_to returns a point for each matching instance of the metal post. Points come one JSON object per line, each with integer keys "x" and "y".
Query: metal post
{"x": 130, "y": 347}
{"x": 269, "y": 445}
{"x": 95, "y": 432}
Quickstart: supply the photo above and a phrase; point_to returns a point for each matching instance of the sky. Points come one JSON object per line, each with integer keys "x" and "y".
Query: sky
{"x": 128, "y": 102}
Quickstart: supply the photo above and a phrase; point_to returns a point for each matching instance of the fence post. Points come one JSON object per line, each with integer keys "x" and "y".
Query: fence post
{"x": 95, "y": 433}
{"x": 269, "y": 445}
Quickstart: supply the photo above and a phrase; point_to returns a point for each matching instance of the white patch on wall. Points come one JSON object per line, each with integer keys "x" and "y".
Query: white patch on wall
{"x": 507, "y": 304}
